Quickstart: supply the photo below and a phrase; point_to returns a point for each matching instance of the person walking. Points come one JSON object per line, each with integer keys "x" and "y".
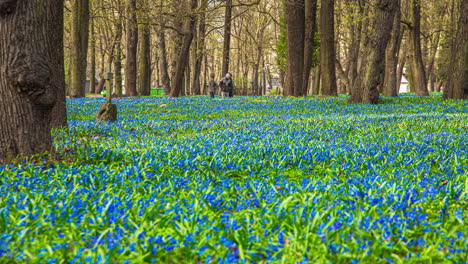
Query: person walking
{"x": 212, "y": 86}
{"x": 226, "y": 85}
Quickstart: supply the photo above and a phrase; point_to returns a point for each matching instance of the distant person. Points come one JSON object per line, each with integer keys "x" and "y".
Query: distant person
{"x": 226, "y": 85}
{"x": 212, "y": 86}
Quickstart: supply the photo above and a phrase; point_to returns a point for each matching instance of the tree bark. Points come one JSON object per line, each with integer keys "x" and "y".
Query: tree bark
{"x": 457, "y": 84}
{"x": 419, "y": 73}
{"x": 132, "y": 46}
{"x": 181, "y": 65}
{"x": 31, "y": 74}
{"x": 327, "y": 48}
{"x": 79, "y": 47}
{"x": 144, "y": 63}
{"x": 199, "y": 54}
{"x": 164, "y": 67}
{"x": 310, "y": 29}
{"x": 118, "y": 89}
{"x": 92, "y": 68}
{"x": 373, "y": 66}
{"x": 390, "y": 87}
{"x": 295, "y": 34}
{"x": 227, "y": 36}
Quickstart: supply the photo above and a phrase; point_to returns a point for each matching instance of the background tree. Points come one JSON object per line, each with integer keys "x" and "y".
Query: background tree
{"x": 132, "y": 48}
{"x": 79, "y": 47}
{"x": 457, "y": 85}
{"x": 327, "y": 48}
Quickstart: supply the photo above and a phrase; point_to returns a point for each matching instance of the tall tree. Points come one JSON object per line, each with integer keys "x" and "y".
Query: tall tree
{"x": 132, "y": 47}
{"x": 31, "y": 74}
{"x": 79, "y": 47}
{"x": 390, "y": 87}
{"x": 295, "y": 35}
{"x": 144, "y": 63}
{"x": 92, "y": 65}
{"x": 457, "y": 84}
{"x": 327, "y": 48}
{"x": 309, "y": 45}
{"x": 181, "y": 65}
{"x": 227, "y": 36}
{"x": 418, "y": 70}
{"x": 200, "y": 50}
{"x": 164, "y": 66}
{"x": 372, "y": 69}
{"x": 118, "y": 89}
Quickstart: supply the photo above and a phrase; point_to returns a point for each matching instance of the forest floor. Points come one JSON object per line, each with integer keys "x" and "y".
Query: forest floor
{"x": 244, "y": 180}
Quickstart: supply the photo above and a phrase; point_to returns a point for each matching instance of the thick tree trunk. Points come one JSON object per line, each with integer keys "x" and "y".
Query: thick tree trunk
{"x": 79, "y": 47}
{"x": 419, "y": 73}
{"x": 327, "y": 48}
{"x": 390, "y": 87}
{"x": 457, "y": 84}
{"x": 373, "y": 67}
{"x": 178, "y": 81}
{"x": 31, "y": 74}
{"x": 144, "y": 63}
{"x": 164, "y": 67}
{"x": 295, "y": 34}
{"x": 310, "y": 29}
{"x": 227, "y": 36}
{"x": 132, "y": 47}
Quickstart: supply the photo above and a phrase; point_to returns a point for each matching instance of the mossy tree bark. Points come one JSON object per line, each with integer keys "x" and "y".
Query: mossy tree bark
{"x": 31, "y": 74}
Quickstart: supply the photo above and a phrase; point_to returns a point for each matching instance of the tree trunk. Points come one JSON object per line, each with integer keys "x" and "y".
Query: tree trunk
{"x": 316, "y": 85}
{"x": 144, "y": 63}
{"x": 200, "y": 51}
{"x": 31, "y": 74}
{"x": 457, "y": 84}
{"x": 310, "y": 29}
{"x": 295, "y": 34}
{"x": 354, "y": 49}
{"x": 92, "y": 67}
{"x": 227, "y": 36}
{"x": 118, "y": 60}
{"x": 132, "y": 46}
{"x": 79, "y": 47}
{"x": 327, "y": 48}
{"x": 164, "y": 67}
{"x": 373, "y": 67}
{"x": 390, "y": 82}
{"x": 419, "y": 74}
{"x": 178, "y": 81}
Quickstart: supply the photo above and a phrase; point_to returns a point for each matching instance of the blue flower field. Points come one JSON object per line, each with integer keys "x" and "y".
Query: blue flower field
{"x": 245, "y": 180}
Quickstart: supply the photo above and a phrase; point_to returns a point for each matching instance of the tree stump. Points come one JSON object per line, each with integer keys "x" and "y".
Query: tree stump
{"x": 107, "y": 112}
